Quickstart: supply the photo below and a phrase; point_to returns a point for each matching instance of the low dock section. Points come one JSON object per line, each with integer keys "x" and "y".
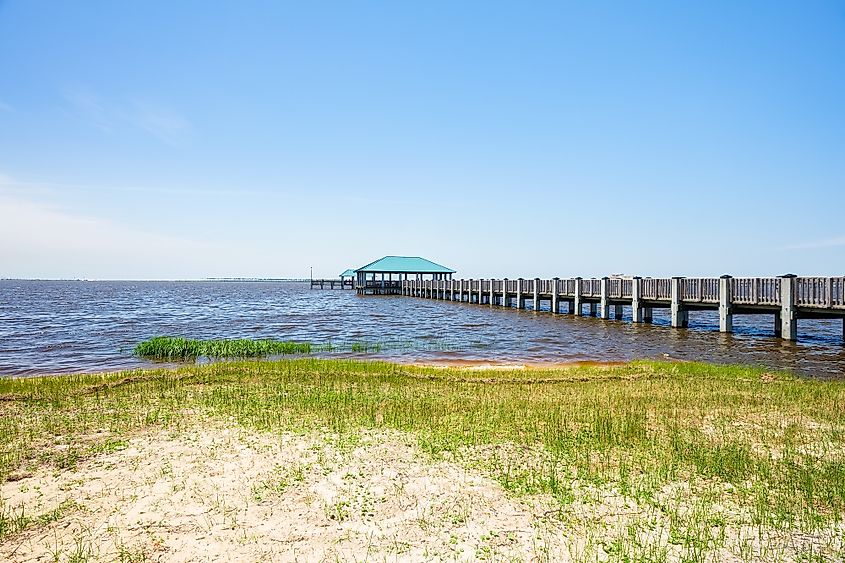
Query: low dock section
{"x": 787, "y": 298}
{"x": 332, "y": 284}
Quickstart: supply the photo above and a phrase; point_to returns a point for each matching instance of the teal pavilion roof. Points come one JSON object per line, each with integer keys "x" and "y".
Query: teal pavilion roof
{"x": 405, "y": 265}
{"x": 348, "y": 274}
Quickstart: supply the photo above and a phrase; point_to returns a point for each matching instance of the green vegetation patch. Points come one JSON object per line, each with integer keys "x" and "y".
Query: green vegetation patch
{"x": 175, "y": 348}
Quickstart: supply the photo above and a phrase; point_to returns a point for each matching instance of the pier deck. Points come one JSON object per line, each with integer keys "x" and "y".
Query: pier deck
{"x": 787, "y": 298}
{"x": 332, "y": 284}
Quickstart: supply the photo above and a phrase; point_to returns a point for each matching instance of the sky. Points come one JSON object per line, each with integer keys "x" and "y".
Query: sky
{"x": 186, "y": 140}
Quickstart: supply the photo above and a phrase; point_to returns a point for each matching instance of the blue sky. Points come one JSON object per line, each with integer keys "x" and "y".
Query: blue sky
{"x": 193, "y": 139}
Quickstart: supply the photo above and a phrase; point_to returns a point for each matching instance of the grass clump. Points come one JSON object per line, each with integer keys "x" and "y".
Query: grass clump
{"x": 175, "y": 348}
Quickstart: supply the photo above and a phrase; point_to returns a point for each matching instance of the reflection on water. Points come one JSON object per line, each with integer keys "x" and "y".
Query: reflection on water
{"x": 64, "y": 327}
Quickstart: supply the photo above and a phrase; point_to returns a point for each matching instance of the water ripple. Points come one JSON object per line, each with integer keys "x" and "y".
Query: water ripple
{"x": 64, "y": 327}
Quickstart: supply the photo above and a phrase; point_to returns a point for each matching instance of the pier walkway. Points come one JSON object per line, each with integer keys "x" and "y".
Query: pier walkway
{"x": 787, "y": 298}
{"x": 332, "y": 283}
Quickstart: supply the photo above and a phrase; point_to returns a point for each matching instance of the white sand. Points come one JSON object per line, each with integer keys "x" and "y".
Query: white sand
{"x": 222, "y": 493}
{"x": 228, "y": 495}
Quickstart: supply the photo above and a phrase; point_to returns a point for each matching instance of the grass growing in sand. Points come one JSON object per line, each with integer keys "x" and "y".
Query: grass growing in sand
{"x": 649, "y": 460}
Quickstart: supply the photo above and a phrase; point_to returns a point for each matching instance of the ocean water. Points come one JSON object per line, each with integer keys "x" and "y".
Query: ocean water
{"x": 76, "y": 326}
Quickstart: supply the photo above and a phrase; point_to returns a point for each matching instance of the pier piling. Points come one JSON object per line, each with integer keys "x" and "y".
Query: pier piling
{"x": 680, "y": 316}
{"x": 789, "y": 321}
{"x": 726, "y": 319}
{"x": 576, "y": 300}
{"x": 604, "y": 304}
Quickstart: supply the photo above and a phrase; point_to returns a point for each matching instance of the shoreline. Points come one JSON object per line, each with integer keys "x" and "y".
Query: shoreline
{"x": 346, "y": 459}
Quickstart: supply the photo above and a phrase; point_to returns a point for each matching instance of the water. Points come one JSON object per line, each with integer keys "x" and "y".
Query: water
{"x": 71, "y": 327}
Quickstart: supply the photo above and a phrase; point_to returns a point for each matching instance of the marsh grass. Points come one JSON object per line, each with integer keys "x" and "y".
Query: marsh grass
{"x": 176, "y": 348}
{"x": 768, "y": 445}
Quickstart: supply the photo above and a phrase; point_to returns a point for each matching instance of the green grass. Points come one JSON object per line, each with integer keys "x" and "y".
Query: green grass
{"x": 771, "y": 444}
{"x": 175, "y": 348}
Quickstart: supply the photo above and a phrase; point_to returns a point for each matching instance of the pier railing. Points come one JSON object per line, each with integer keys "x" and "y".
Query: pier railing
{"x": 702, "y": 290}
{"x": 788, "y": 297}
{"x": 528, "y": 286}
{"x": 756, "y": 291}
{"x": 591, "y": 288}
{"x": 821, "y": 292}
{"x": 618, "y": 288}
{"x": 815, "y": 292}
{"x": 656, "y": 289}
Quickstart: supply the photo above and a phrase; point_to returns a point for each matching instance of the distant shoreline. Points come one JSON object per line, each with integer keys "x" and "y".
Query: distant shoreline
{"x": 159, "y": 280}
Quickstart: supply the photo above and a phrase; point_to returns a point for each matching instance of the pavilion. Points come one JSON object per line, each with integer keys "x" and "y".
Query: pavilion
{"x": 350, "y": 274}
{"x": 385, "y": 276}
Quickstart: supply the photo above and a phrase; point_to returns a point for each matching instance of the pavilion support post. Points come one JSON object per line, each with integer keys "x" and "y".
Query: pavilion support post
{"x": 605, "y": 303}
{"x": 505, "y": 292}
{"x": 648, "y": 315}
{"x": 536, "y": 294}
{"x": 680, "y": 316}
{"x": 469, "y": 291}
{"x": 520, "y": 304}
{"x": 491, "y": 295}
{"x": 788, "y": 309}
{"x": 594, "y": 309}
{"x": 636, "y": 294}
{"x": 555, "y": 296}
{"x": 480, "y": 291}
{"x": 726, "y": 317}
{"x": 451, "y": 289}
{"x": 577, "y": 303}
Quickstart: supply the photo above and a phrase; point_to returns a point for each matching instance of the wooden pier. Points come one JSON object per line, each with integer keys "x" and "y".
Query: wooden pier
{"x": 332, "y": 284}
{"x": 787, "y": 298}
